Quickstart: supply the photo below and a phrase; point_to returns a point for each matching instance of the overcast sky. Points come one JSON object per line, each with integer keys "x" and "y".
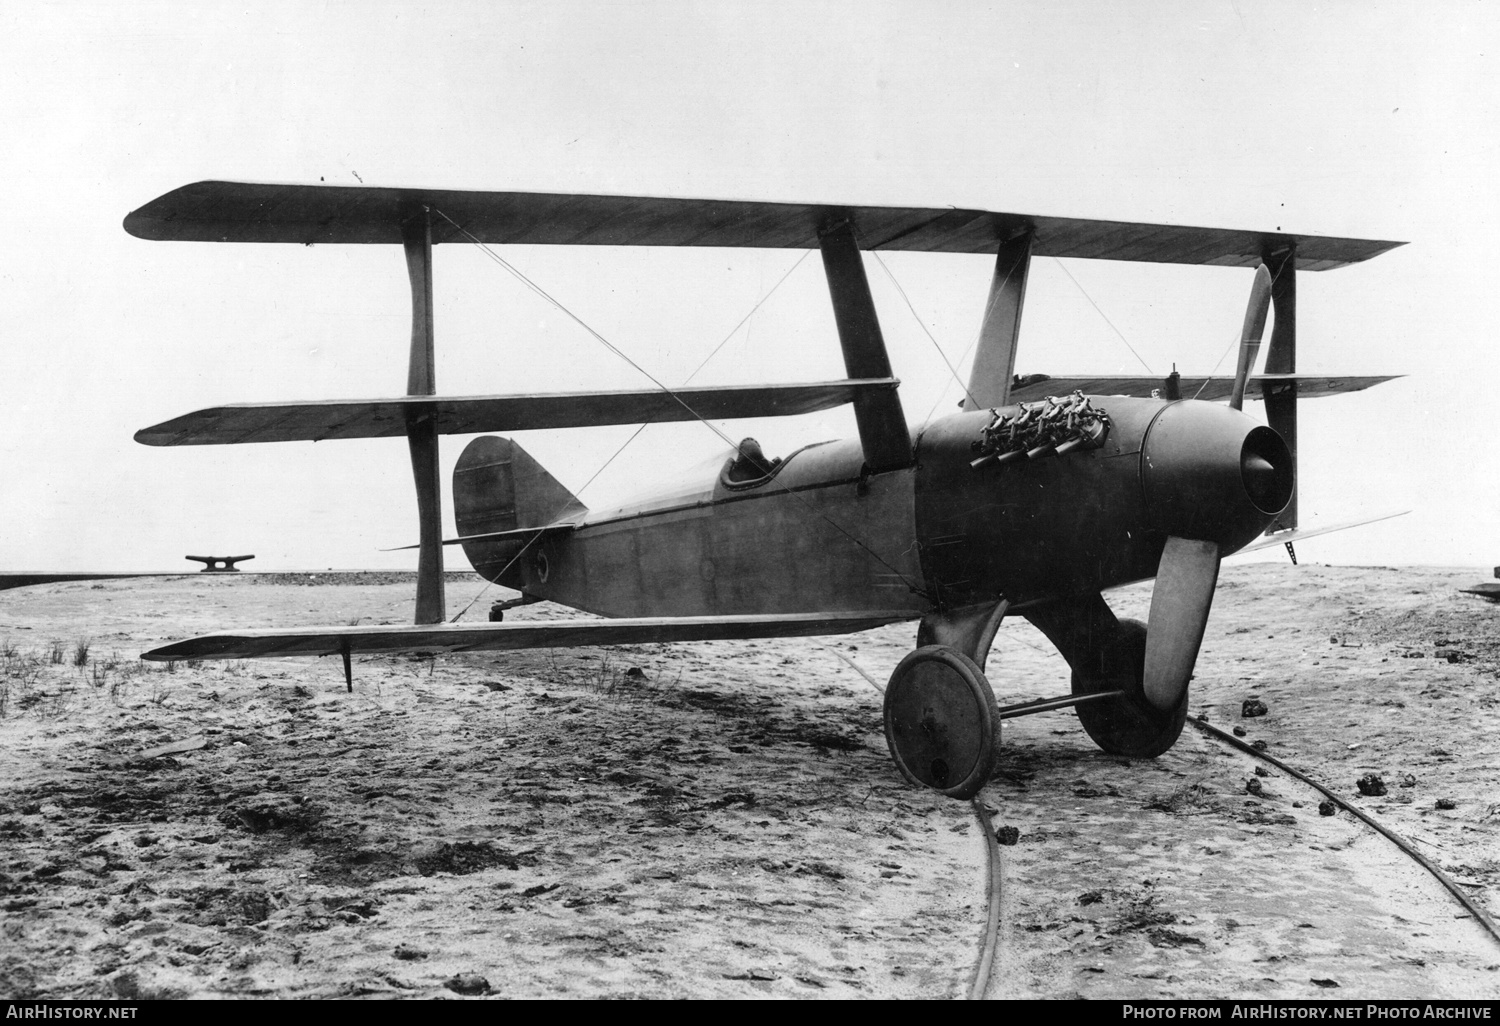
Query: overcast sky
{"x": 1363, "y": 119}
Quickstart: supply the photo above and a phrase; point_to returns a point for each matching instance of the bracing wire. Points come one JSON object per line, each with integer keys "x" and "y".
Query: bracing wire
{"x": 516, "y": 273}
{"x": 978, "y": 333}
{"x": 689, "y": 379}
{"x": 1101, "y": 313}
{"x": 923, "y": 325}
{"x": 488, "y": 584}
{"x": 1215, "y": 369}
{"x": 852, "y": 664}
{"x": 637, "y": 432}
{"x": 743, "y": 320}
{"x": 994, "y": 297}
{"x": 542, "y": 293}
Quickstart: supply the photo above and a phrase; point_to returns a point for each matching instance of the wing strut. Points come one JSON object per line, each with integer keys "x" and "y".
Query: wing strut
{"x": 421, "y": 424}
{"x": 1281, "y": 358}
{"x": 882, "y": 424}
{"x": 995, "y": 359}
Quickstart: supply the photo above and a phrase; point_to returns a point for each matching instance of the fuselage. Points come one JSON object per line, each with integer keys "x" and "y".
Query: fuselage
{"x": 820, "y": 534}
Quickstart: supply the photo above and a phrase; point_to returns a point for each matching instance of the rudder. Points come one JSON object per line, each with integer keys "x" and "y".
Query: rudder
{"x": 497, "y": 486}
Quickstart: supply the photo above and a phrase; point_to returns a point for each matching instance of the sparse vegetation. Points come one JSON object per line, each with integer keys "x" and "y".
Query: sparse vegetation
{"x": 118, "y": 685}
{"x": 19, "y": 673}
{"x": 607, "y": 678}
{"x": 692, "y": 767}
{"x": 81, "y": 652}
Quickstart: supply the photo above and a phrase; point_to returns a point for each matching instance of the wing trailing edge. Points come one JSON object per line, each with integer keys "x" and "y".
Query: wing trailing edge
{"x": 321, "y": 641}
{"x": 323, "y": 420}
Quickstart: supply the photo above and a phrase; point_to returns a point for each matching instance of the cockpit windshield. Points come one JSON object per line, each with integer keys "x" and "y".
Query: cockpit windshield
{"x": 749, "y": 463}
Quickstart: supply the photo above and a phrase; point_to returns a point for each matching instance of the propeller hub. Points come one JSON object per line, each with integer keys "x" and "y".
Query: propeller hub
{"x": 1214, "y": 474}
{"x": 1266, "y": 471}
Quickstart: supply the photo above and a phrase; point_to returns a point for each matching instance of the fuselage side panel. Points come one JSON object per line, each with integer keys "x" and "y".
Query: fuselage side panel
{"x": 813, "y": 536}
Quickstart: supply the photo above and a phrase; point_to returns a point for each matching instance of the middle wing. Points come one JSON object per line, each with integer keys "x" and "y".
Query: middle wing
{"x": 320, "y": 420}
{"x": 320, "y": 641}
{"x": 1309, "y": 386}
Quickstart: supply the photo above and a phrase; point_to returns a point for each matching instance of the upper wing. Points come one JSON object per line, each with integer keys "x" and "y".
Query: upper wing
{"x": 1309, "y": 386}
{"x": 259, "y": 212}
{"x": 318, "y": 641}
{"x": 323, "y": 419}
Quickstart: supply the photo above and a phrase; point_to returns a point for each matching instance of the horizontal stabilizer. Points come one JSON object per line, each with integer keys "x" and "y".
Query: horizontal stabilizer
{"x": 321, "y": 420}
{"x": 1309, "y": 386}
{"x": 320, "y": 641}
{"x": 516, "y": 534}
{"x": 1283, "y": 537}
{"x": 260, "y": 212}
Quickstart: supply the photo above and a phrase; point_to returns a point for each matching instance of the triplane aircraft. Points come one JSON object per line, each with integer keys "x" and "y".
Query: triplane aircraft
{"x": 1037, "y": 497}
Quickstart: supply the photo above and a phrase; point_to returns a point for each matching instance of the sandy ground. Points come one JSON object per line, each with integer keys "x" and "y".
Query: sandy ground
{"x": 722, "y": 819}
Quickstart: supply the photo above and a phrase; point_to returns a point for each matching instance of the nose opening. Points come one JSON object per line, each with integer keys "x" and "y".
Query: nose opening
{"x": 1266, "y": 470}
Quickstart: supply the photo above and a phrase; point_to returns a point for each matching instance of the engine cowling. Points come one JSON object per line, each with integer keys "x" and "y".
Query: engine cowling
{"x": 1213, "y": 473}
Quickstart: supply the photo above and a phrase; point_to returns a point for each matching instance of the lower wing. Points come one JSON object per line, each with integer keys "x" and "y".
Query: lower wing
{"x": 1290, "y": 537}
{"x": 319, "y": 641}
{"x": 27, "y": 579}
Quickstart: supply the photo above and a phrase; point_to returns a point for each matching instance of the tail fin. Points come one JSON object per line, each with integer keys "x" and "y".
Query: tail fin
{"x": 497, "y": 486}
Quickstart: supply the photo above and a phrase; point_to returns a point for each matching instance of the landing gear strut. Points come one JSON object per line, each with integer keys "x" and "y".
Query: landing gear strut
{"x": 1126, "y": 725}
{"x": 941, "y": 721}
{"x": 1109, "y": 655}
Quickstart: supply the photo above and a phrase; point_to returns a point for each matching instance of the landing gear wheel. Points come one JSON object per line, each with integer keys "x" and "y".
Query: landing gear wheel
{"x": 941, "y": 722}
{"x": 1128, "y": 725}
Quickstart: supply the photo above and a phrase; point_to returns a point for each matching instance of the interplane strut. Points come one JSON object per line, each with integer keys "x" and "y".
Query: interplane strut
{"x": 421, "y": 425}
